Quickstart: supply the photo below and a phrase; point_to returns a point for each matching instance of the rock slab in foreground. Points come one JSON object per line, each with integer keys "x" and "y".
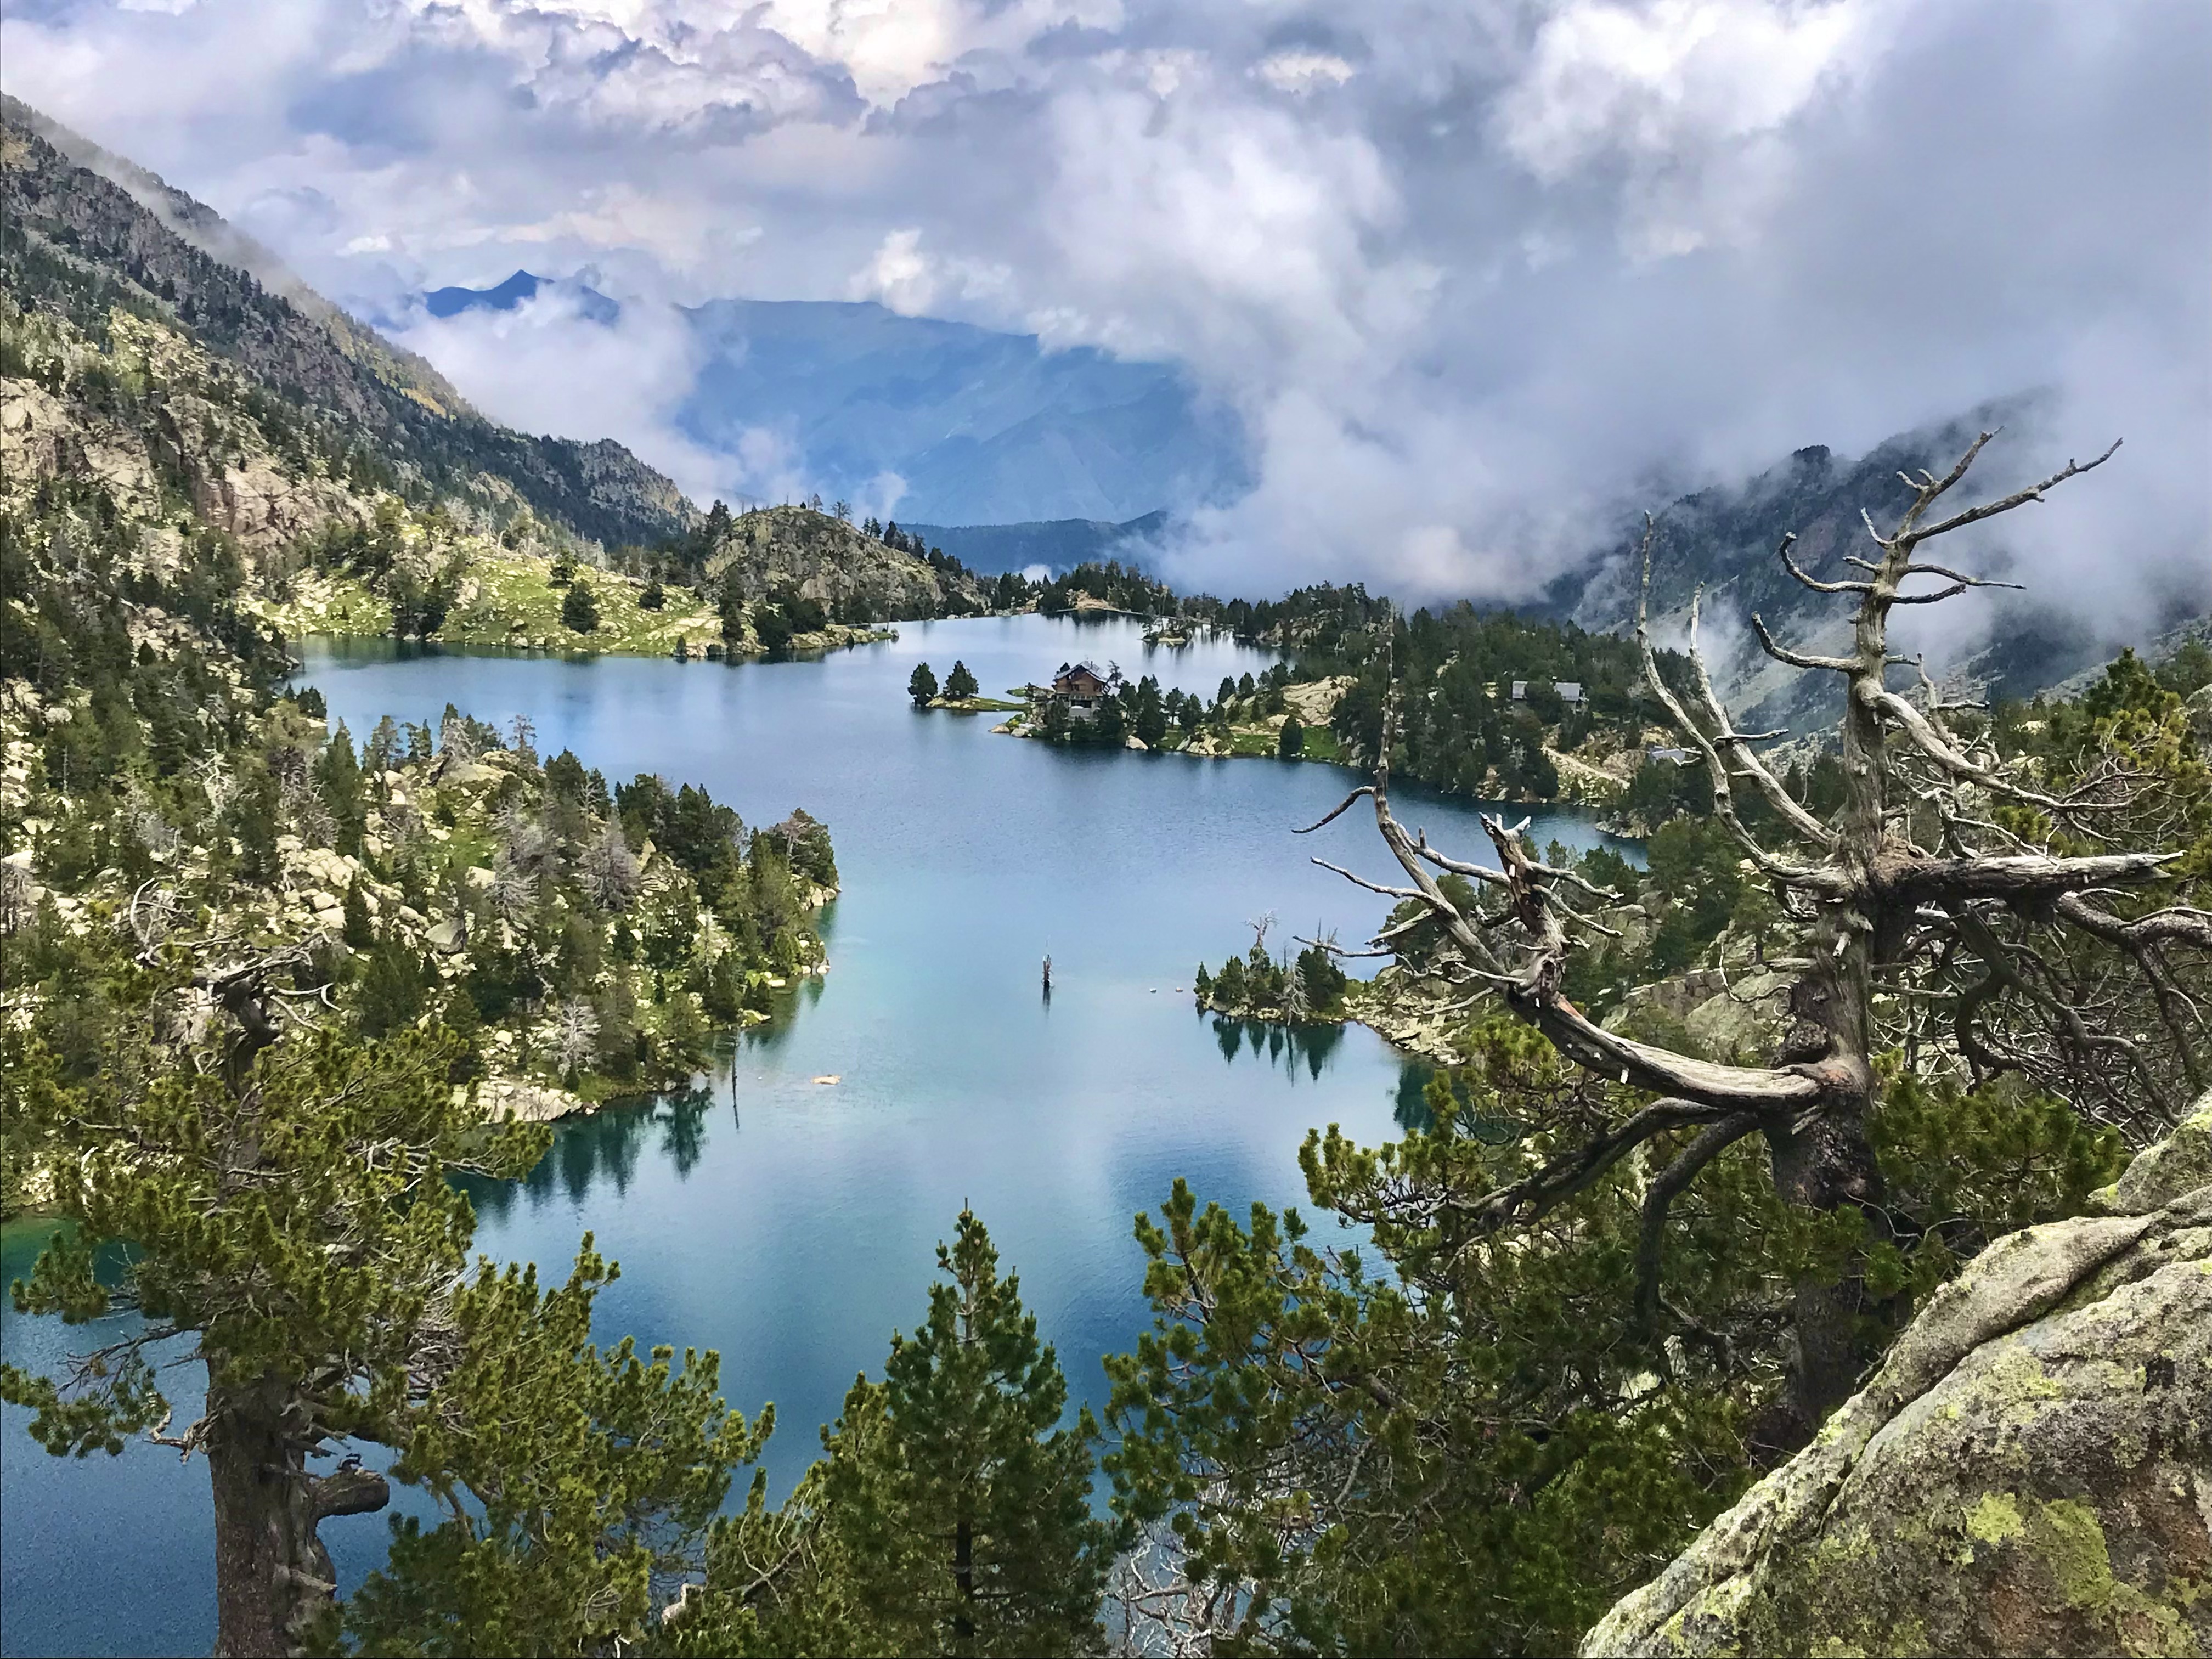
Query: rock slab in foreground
{"x": 2029, "y": 1473}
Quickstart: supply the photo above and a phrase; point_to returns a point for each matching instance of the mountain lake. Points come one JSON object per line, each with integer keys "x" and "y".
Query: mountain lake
{"x": 790, "y": 1223}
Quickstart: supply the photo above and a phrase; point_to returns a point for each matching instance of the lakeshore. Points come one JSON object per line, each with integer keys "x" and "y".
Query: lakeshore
{"x": 789, "y": 1224}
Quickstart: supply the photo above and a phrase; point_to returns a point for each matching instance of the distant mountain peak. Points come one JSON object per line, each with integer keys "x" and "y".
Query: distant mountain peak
{"x": 517, "y": 290}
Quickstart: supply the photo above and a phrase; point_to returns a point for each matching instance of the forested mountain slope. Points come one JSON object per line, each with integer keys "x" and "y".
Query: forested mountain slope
{"x": 360, "y": 494}
{"x": 82, "y": 248}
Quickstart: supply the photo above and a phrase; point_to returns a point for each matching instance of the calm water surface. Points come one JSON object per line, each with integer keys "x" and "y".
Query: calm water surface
{"x": 790, "y": 1225}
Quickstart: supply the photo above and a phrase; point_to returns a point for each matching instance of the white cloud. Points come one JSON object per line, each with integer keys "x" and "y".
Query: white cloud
{"x": 1303, "y": 71}
{"x": 1689, "y": 100}
{"x": 1477, "y": 277}
{"x": 1654, "y": 81}
{"x": 545, "y": 367}
{"x": 903, "y": 277}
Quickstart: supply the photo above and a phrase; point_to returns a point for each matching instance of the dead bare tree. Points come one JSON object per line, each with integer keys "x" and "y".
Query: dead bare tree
{"x": 1911, "y": 870}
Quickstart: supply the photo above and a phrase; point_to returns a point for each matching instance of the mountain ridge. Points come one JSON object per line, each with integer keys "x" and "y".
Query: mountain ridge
{"x": 1721, "y": 542}
{"x": 1060, "y": 544}
{"x": 81, "y": 244}
{"x": 929, "y": 418}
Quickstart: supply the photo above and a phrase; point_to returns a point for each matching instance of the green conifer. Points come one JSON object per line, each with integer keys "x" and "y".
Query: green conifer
{"x": 579, "y": 610}
{"x": 286, "y": 1205}
{"x": 357, "y": 933}
{"x": 1230, "y": 988}
{"x": 339, "y": 779}
{"x": 952, "y": 1513}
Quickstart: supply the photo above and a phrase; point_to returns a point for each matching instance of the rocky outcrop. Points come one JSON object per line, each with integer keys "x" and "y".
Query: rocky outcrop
{"x": 1424, "y": 1017}
{"x": 508, "y": 1100}
{"x": 777, "y": 550}
{"x": 1313, "y": 700}
{"x": 2029, "y": 1471}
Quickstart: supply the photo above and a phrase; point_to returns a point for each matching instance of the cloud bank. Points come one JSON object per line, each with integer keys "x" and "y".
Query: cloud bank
{"x": 1478, "y": 276}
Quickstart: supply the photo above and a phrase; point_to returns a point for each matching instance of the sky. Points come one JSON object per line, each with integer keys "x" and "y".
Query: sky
{"x": 1480, "y": 278}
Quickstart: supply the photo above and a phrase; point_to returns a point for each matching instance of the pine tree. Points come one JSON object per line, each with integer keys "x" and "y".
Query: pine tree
{"x": 1321, "y": 980}
{"x": 390, "y": 990}
{"x": 1292, "y": 741}
{"x": 922, "y": 685}
{"x": 286, "y": 1205}
{"x": 579, "y": 610}
{"x": 1231, "y": 988}
{"x": 951, "y": 1513}
{"x": 356, "y": 933}
{"x": 1148, "y": 714}
{"x": 732, "y": 606}
{"x": 772, "y": 626}
{"x": 338, "y": 776}
{"x": 960, "y": 684}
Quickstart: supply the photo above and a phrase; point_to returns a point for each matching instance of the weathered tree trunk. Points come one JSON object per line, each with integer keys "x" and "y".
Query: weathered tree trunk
{"x": 964, "y": 1579}
{"x": 273, "y": 1576}
{"x": 1830, "y": 1165}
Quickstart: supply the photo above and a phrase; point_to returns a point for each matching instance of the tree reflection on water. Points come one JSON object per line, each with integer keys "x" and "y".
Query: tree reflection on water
{"x": 1293, "y": 1047}
{"x": 606, "y": 1146}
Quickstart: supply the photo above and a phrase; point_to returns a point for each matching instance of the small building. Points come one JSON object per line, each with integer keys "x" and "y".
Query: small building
{"x": 1077, "y": 687}
{"x": 1677, "y": 756}
{"x": 1570, "y": 691}
{"x": 1080, "y": 684}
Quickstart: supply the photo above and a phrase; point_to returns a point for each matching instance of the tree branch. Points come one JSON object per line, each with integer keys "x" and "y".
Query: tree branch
{"x": 1799, "y": 659}
{"x": 1790, "y": 565}
{"x": 1713, "y": 1140}
{"x": 1562, "y": 1178}
{"x": 1991, "y": 509}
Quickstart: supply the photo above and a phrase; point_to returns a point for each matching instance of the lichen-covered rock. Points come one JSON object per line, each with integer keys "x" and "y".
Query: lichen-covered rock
{"x": 2030, "y": 1471}
{"x": 2180, "y": 1163}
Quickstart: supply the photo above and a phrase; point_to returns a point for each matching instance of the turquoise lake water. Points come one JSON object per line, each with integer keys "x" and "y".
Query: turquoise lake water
{"x": 790, "y": 1225}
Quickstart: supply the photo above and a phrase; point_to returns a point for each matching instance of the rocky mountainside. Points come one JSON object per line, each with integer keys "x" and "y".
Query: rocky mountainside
{"x": 82, "y": 248}
{"x": 204, "y": 228}
{"x": 775, "y": 550}
{"x": 1725, "y": 540}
